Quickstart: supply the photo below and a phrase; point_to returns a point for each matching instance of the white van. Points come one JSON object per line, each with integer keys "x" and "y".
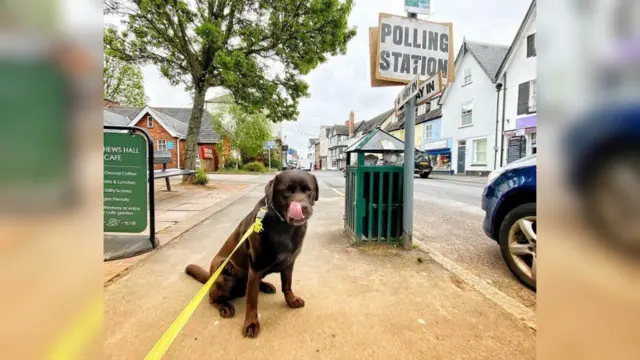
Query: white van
{"x": 305, "y": 165}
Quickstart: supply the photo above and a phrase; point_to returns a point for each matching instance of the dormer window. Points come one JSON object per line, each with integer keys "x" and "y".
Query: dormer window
{"x": 149, "y": 122}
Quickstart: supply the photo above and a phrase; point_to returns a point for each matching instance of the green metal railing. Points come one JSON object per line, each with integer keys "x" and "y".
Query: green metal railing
{"x": 373, "y": 203}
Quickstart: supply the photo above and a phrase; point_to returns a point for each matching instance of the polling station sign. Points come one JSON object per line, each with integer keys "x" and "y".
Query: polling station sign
{"x": 410, "y": 47}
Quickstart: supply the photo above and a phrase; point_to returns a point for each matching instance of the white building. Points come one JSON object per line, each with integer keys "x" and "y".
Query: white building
{"x": 517, "y": 74}
{"x": 337, "y": 145}
{"x": 325, "y": 134}
{"x": 311, "y": 150}
{"x": 469, "y": 109}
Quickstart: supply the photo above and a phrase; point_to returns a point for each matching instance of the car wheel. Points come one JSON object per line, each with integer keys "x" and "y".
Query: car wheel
{"x": 517, "y": 241}
{"x": 424, "y": 175}
{"x": 613, "y": 201}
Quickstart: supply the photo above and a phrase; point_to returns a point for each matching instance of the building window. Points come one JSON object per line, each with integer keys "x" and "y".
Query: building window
{"x": 162, "y": 145}
{"x": 428, "y": 131}
{"x": 534, "y": 145}
{"x": 149, "y": 122}
{"x": 532, "y": 96}
{"x": 467, "y": 114}
{"x": 467, "y": 76}
{"x": 531, "y": 45}
{"x": 527, "y": 97}
{"x": 480, "y": 151}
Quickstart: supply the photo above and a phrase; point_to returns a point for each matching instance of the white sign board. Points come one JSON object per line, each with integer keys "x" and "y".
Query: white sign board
{"x": 407, "y": 93}
{"x": 418, "y": 6}
{"x": 409, "y": 47}
{"x": 436, "y": 145}
{"x": 426, "y": 90}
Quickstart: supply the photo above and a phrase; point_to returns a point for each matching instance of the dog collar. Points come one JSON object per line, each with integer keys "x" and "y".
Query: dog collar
{"x": 274, "y": 210}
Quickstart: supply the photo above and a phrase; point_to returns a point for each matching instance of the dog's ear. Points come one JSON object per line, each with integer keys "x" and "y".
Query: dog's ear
{"x": 268, "y": 190}
{"x": 315, "y": 182}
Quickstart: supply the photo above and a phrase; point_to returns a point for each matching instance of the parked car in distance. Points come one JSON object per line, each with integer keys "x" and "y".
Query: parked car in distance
{"x": 305, "y": 165}
{"x": 509, "y": 202}
{"x": 422, "y": 164}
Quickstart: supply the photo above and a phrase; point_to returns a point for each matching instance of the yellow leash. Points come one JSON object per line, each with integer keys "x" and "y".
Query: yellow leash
{"x": 161, "y": 347}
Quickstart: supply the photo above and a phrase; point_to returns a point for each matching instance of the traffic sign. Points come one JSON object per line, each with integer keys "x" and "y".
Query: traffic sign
{"x": 270, "y": 145}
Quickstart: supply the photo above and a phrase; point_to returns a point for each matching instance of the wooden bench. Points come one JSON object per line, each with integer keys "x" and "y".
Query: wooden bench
{"x": 164, "y": 158}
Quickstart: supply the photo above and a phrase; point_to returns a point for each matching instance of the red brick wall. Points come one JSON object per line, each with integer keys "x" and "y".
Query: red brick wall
{"x": 157, "y": 132}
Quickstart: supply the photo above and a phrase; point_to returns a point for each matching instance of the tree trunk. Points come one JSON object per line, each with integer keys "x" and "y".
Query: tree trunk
{"x": 193, "y": 132}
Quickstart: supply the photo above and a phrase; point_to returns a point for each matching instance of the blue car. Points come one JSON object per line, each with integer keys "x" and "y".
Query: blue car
{"x": 602, "y": 152}
{"x": 509, "y": 202}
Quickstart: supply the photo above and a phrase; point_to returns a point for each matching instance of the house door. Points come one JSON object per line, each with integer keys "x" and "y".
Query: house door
{"x": 462, "y": 149}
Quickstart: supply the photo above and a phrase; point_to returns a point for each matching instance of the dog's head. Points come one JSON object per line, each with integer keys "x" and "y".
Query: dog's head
{"x": 293, "y": 194}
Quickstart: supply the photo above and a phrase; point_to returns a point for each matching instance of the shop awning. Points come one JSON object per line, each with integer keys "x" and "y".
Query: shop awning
{"x": 439, "y": 151}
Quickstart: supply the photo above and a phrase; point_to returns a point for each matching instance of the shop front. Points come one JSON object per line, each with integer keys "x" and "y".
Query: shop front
{"x": 522, "y": 141}
{"x": 439, "y": 152}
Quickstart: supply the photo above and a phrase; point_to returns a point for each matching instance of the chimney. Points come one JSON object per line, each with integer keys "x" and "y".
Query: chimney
{"x": 351, "y": 124}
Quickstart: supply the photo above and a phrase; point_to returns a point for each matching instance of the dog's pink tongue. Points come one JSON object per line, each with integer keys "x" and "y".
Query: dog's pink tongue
{"x": 295, "y": 211}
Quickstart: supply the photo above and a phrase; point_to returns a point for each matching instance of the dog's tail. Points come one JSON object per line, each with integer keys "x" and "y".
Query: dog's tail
{"x": 198, "y": 273}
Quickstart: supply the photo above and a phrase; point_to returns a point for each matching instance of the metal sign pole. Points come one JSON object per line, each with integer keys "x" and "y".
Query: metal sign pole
{"x": 409, "y": 158}
{"x": 269, "y": 159}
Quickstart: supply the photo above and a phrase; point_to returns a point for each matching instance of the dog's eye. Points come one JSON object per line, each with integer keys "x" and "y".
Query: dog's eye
{"x": 305, "y": 188}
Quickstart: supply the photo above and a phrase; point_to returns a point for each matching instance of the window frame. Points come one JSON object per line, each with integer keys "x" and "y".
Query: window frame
{"x": 532, "y": 97}
{"x": 475, "y": 151}
{"x": 149, "y": 122}
{"x": 468, "y": 111}
{"x": 166, "y": 144}
{"x": 531, "y": 46}
{"x": 467, "y": 74}
{"x": 428, "y": 131}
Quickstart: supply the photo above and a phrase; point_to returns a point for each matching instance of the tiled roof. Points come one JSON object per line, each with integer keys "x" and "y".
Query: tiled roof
{"x": 433, "y": 114}
{"x": 373, "y": 123}
{"x": 114, "y": 119}
{"x": 341, "y": 129}
{"x": 176, "y": 119}
{"x": 489, "y": 56}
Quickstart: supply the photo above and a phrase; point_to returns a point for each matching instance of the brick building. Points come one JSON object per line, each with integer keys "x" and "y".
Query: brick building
{"x": 168, "y": 129}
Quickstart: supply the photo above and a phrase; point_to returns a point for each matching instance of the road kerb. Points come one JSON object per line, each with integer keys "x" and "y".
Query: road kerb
{"x": 512, "y": 306}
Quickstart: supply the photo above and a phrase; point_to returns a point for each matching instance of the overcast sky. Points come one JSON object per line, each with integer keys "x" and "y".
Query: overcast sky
{"x": 342, "y": 84}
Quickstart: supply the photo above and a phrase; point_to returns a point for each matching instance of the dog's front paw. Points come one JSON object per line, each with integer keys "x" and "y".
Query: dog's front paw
{"x": 251, "y": 328}
{"x": 295, "y": 302}
{"x": 227, "y": 310}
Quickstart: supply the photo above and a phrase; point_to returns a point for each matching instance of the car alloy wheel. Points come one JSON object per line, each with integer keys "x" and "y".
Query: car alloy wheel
{"x": 522, "y": 246}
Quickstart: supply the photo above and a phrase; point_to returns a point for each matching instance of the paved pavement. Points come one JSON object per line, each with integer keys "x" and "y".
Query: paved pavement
{"x": 369, "y": 302}
{"x": 448, "y": 218}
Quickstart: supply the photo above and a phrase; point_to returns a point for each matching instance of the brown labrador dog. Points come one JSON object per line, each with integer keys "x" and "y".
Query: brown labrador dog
{"x": 289, "y": 197}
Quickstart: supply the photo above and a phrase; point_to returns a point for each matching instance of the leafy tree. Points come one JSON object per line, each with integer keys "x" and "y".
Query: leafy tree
{"x": 257, "y": 49}
{"x": 123, "y": 82}
{"x": 246, "y": 131}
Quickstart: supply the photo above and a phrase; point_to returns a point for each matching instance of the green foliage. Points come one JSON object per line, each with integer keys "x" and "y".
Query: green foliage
{"x": 258, "y": 50}
{"x": 123, "y": 82}
{"x": 201, "y": 177}
{"x": 275, "y": 163}
{"x": 247, "y": 131}
{"x": 255, "y": 166}
{"x": 232, "y": 164}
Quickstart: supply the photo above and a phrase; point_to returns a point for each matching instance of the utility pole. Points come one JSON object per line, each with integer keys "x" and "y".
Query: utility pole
{"x": 409, "y": 164}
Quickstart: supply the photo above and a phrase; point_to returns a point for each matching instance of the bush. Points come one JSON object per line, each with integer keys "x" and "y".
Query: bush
{"x": 275, "y": 163}
{"x": 201, "y": 177}
{"x": 255, "y": 166}
{"x": 231, "y": 164}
